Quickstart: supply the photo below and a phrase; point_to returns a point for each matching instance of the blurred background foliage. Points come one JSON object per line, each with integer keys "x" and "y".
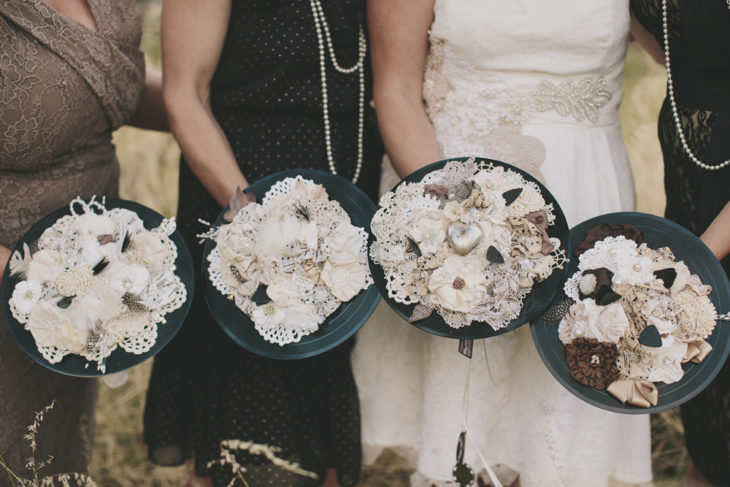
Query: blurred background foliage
{"x": 150, "y": 175}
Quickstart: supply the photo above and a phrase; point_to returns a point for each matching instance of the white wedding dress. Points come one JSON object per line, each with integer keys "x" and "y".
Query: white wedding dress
{"x": 535, "y": 83}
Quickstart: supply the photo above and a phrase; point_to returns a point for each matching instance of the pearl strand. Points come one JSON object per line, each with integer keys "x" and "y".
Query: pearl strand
{"x": 323, "y": 37}
{"x": 672, "y": 101}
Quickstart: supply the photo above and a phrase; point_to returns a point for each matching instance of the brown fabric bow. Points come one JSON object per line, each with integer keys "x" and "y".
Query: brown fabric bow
{"x": 607, "y": 230}
{"x": 697, "y": 351}
{"x": 540, "y": 220}
{"x": 642, "y": 393}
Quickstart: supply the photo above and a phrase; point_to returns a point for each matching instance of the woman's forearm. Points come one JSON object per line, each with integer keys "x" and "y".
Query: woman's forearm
{"x": 399, "y": 42}
{"x": 717, "y": 235}
{"x": 204, "y": 145}
{"x": 407, "y": 132}
{"x": 193, "y": 33}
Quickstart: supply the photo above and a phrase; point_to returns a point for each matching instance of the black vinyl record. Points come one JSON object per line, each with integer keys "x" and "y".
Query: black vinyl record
{"x": 341, "y": 324}
{"x": 119, "y": 360}
{"x": 658, "y": 232}
{"x": 535, "y": 302}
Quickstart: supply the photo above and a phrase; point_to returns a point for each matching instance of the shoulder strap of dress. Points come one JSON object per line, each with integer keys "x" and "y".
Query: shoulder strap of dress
{"x": 95, "y": 57}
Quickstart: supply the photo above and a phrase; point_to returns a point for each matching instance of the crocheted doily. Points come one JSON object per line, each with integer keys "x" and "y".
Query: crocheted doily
{"x": 290, "y": 261}
{"x": 646, "y": 303}
{"x": 94, "y": 281}
{"x": 468, "y": 241}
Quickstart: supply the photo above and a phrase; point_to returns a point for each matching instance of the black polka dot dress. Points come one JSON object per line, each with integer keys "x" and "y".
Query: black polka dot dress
{"x": 266, "y": 95}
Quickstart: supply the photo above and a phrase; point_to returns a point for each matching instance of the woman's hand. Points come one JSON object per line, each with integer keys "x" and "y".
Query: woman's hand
{"x": 399, "y": 43}
{"x": 4, "y": 259}
{"x": 193, "y": 32}
{"x": 717, "y": 235}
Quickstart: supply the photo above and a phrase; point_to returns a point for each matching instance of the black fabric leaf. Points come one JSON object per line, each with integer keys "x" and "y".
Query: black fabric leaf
{"x": 511, "y": 195}
{"x": 650, "y": 337}
{"x": 667, "y": 276}
{"x": 260, "y": 296}
{"x": 494, "y": 256}
{"x": 65, "y": 302}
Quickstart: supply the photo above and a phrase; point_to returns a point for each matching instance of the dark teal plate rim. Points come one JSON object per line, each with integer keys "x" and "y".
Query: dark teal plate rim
{"x": 339, "y": 326}
{"x": 541, "y": 295}
{"x": 658, "y": 232}
{"x": 119, "y": 360}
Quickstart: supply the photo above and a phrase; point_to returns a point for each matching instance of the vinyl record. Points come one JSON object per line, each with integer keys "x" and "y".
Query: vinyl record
{"x": 658, "y": 232}
{"x": 341, "y": 324}
{"x": 535, "y": 302}
{"x": 119, "y": 360}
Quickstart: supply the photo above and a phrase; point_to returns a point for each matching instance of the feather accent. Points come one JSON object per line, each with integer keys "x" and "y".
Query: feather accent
{"x": 20, "y": 262}
{"x": 301, "y": 211}
{"x": 100, "y": 266}
{"x": 134, "y": 303}
{"x": 126, "y": 241}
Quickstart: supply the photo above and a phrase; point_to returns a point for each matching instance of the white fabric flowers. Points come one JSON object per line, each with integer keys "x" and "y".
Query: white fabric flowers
{"x": 457, "y": 285}
{"x": 26, "y": 294}
{"x": 468, "y": 241}
{"x": 289, "y": 262}
{"x": 98, "y": 281}
{"x": 640, "y": 301}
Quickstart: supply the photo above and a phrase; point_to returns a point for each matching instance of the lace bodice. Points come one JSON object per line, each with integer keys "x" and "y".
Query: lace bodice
{"x": 568, "y": 69}
{"x": 63, "y": 90}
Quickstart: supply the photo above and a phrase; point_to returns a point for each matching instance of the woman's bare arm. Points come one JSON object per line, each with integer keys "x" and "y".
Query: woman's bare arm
{"x": 717, "y": 235}
{"x": 193, "y": 32}
{"x": 399, "y": 42}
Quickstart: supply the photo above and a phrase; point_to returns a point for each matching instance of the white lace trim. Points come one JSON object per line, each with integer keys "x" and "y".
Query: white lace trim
{"x": 120, "y": 306}
{"x": 302, "y": 247}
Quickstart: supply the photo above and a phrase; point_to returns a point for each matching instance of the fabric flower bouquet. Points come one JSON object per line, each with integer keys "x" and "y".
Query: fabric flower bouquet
{"x": 639, "y": 314}
{"x": 468, "y": 241}
{"x": 289, "y": 262}
{"x": 94, "y": 281}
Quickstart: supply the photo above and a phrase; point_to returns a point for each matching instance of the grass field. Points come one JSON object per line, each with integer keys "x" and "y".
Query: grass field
{"x": 149, "y": 175}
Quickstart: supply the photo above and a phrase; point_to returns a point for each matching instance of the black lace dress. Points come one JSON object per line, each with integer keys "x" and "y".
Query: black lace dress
{"x": 699, "y": 35}
{"x": 266, "y": 95}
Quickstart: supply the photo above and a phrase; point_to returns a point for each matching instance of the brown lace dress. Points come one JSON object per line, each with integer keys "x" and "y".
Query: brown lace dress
{"x": 63, "y": 90}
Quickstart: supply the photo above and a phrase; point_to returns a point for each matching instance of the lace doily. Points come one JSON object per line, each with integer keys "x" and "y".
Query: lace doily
{"x": 468, "y": 241}
{"x": 645, "y": 302}
{"x": 94, "y": 281}
{"x": 291, "y": 261}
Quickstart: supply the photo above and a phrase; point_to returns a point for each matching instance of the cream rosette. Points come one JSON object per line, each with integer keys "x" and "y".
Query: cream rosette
{"x": 468, "y": 241}
{"x": 98, "y": 280}
{"x": 290, "y": 261}
{"x": 645, "y": 303}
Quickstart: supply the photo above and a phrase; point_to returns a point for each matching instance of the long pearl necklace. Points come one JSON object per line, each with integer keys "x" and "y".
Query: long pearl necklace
{"x": 673, "y": 103}
{"x": 320, "y": 24}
